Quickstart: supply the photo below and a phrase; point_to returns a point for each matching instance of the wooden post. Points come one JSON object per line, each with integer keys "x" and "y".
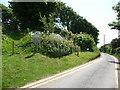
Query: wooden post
{"x": 13, "y": 48}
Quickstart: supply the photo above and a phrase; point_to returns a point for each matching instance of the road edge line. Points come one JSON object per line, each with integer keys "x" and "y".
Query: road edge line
{"x": 116, "y": 73}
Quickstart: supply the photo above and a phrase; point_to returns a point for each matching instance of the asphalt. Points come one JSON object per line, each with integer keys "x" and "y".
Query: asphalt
{"x": 98, "y": 74}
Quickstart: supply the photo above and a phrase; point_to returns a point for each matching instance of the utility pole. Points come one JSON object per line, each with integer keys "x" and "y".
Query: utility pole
{"x": 118, "y": 33}
{"x": 104, "y": 41}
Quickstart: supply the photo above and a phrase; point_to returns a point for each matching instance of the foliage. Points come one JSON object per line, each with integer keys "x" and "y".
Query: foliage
{"x": 115, "y": 43}
{"x": 112, "y": 48}
{"x": 18, "y": 70}
{"x": 54, "y": 46}
{"x": 74, "y": 22}
{"x": 116, "y": 24}
{"x": 26, "y": 44}
{"x": 117, "y": 50}
{"x": 67, "y": 34}
{"x": 85, "y": 41}
{"x": 9, "y": 22}
{"x": 49, "y": 24}
{"x": 28, "y": 13}
{"x": 107, "y": 48}
{"x": 6, "y": 45}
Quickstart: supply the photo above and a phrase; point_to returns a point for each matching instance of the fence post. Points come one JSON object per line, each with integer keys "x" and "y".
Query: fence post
{"x": 13, "y": 48}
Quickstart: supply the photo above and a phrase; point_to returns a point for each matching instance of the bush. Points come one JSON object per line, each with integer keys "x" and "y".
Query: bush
{"x": 107, "y": 48}
{"x": 6, "y": 45}
{"x": 117, "y": 50}
{"x": 26, "y": 44}
{"x": 54, "y": 46}
{"x": 115, "y": 43}
{"x": 67, "y": 34}
{"x": 85, "y": 41}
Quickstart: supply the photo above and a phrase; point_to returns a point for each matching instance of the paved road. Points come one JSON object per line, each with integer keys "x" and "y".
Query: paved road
{"x": 98, "y": 74}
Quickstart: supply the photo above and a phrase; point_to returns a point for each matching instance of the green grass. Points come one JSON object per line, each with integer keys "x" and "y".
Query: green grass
{"x": 117, "y": 55}
{"x": 18, "y": 70}
{"x": 24, "y": 67}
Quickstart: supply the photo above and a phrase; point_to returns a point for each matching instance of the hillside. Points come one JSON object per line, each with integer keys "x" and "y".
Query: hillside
{"x": 24, "y": 67}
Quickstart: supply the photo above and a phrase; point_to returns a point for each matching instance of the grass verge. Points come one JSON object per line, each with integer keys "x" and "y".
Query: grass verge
{"x": 118, "y": 56}
{"x": 20, "y": 69}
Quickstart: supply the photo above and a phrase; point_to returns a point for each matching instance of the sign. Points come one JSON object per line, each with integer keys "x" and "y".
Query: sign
{"x": 36, "y": 39}
{"x": 78, "y": 49}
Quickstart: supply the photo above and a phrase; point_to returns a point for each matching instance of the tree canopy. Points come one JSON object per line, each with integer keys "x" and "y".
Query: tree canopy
{"x": 28, "y": 13}
{"x": 74, "y": 22}
{"x": 41, "y": 16}
{"x": 9, "y": 21}
{"x": 116, "y": 24}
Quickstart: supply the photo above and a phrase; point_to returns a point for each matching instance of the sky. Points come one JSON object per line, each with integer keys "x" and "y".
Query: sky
{"x": 97, "y": 12}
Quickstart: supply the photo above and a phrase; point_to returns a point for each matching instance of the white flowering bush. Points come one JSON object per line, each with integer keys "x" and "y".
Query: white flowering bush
{"x": 54, "y": 46}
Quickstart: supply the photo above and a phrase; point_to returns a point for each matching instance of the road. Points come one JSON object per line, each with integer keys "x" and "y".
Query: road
{"x": 100, "y": 73}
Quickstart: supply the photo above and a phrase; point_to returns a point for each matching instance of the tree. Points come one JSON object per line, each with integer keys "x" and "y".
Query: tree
{"x": 107, "y": 48}
{"x": 115, "y": 43}
{"x": 50, "y": 25}
{"x": 74, "y": 22}
{"x": 28, "y": 13}
{"x": 10, "y": 23}
{"x": 85, "y": 41}
{"x": 116, "y": 24}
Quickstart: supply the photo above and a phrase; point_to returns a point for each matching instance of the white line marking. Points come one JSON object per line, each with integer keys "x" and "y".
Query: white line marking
{"x": 116, "y": 72}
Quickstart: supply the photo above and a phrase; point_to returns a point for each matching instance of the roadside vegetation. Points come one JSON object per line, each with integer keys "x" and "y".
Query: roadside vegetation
{"x": 59, "y": 48}
{"x": 114, "y": 47}
{"x": 28, "y": 65}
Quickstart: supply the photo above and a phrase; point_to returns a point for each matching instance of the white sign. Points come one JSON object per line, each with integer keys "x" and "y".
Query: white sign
{"x": 36, "y": 39}
{"x": 78, "y": 49}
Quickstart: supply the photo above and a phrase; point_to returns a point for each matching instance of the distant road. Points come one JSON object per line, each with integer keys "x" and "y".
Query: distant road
{"x": 101, "y": 73}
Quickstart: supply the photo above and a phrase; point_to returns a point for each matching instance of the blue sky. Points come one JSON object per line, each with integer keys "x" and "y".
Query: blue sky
{"x": 97, "y": 12}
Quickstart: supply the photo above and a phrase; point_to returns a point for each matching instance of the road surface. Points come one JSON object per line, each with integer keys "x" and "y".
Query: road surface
{"x": 100, "y": 73}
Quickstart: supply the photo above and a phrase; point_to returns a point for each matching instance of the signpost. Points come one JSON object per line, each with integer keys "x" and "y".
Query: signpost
{"x": 36, "y": 39}
{"x": 78, "y": 49}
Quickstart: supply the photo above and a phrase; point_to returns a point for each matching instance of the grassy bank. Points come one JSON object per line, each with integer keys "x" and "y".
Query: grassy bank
{"x": 118, "y": 56}
{"x": 23, "y": 68}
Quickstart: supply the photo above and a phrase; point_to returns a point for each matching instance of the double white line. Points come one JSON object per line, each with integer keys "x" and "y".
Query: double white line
{"x": 116, "y": 73}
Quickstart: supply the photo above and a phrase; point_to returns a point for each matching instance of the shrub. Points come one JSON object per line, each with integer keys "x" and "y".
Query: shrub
{"x": 115, "y": 43}
{"x": 85, "y": 41}
{"x": 54, "y": 46}
{"x": 26, "y": 43}
{"x": 107, "y": 48}
{"x": 67, "y": 34}
{"x": 6, "y": 45}
{"x": 117, "y": 50}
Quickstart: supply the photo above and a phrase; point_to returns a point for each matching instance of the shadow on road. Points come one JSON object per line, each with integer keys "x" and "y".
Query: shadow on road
{"x": 114, "y": 62}
{"x": 118, "y": 63}
{"x": 117, "y": 68}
